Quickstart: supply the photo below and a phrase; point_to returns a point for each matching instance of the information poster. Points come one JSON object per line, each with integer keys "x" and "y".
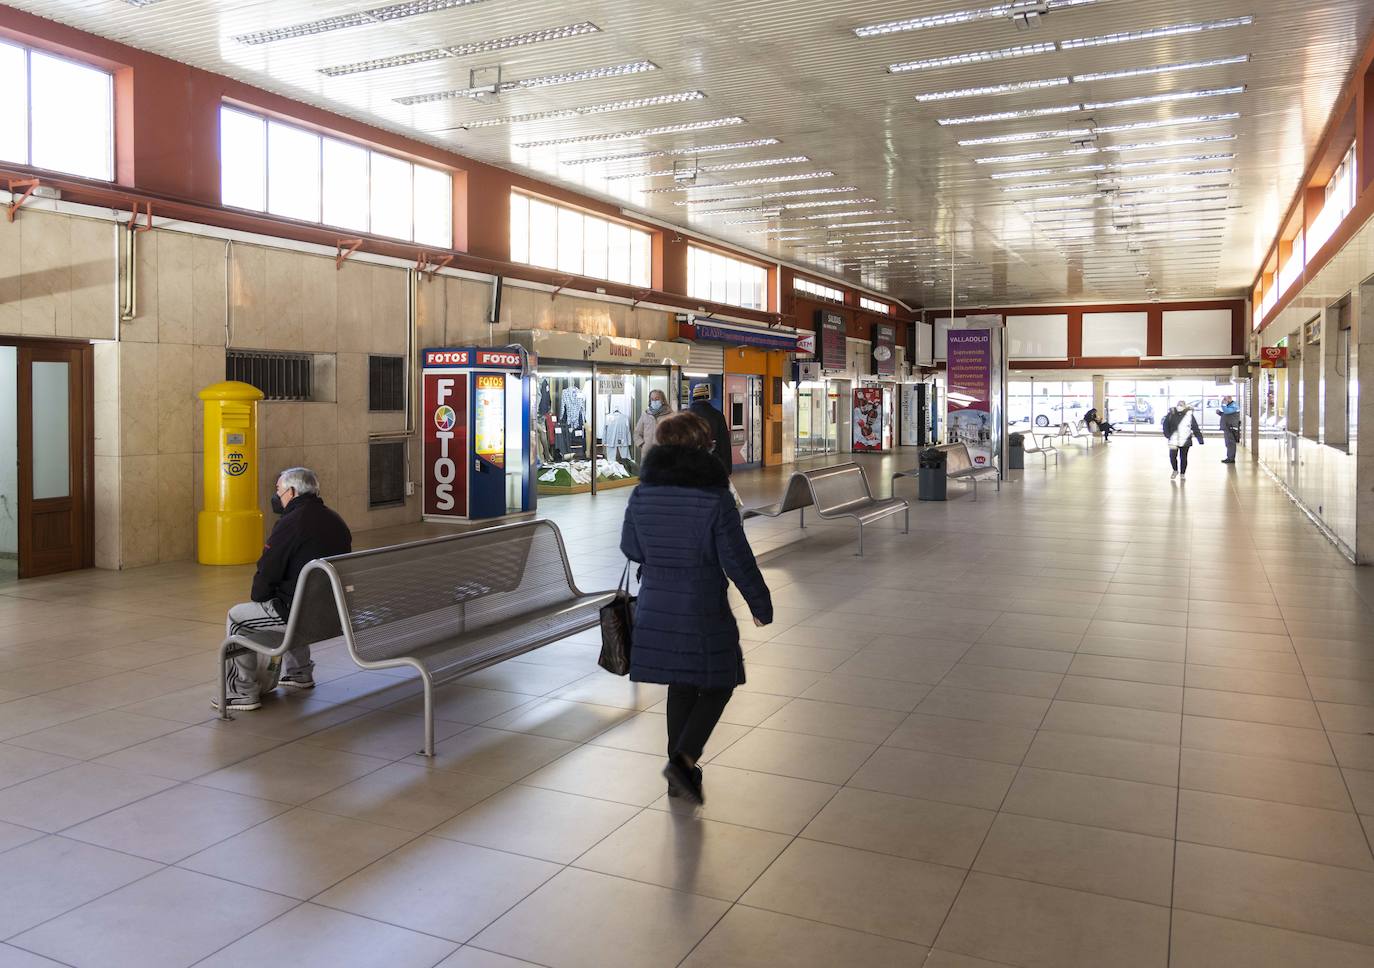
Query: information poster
{"x": 489, "y": 419}
{"x": 884, "y": 349}
{"x": 830, "y": 328}
{"x": 868, "y": 419}
{"x": 969, "y": 392}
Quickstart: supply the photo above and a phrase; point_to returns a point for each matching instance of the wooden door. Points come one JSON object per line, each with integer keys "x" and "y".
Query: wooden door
{"x": 56, "y": 444}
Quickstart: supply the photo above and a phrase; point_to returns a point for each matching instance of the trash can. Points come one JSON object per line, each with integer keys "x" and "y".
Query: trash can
{"x": 931, "y": 475}
{"x": 1016, "y": 452}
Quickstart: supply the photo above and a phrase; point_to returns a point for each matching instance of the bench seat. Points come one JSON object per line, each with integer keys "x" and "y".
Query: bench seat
{"x": 835, "y": 492}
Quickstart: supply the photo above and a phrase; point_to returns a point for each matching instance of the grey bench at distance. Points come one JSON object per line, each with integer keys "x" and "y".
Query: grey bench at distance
{"x": 444, "y": 607}
{"x": 1042, "y": 446}
{"x": 841, "y": 491}
{"x": 959, "y": 466}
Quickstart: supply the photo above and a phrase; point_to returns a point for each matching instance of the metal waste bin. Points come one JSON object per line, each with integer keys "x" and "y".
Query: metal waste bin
{"x": 1016, "y": 452}
{"x": 931, "y": 478}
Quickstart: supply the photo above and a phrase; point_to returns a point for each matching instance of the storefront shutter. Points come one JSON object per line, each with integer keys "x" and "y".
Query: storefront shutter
{"x": 706, "y": 358}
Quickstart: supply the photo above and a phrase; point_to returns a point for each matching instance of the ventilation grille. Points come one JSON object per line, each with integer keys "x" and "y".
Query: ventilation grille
{"x": 280, "y": 376}
{"x": 386, "y": 473}
{"x": 385, "y": 383}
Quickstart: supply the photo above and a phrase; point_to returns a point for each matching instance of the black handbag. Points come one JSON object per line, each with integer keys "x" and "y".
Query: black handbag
{"x": 617, "y": 628}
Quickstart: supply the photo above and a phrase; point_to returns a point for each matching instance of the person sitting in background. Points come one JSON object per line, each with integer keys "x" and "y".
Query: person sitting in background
{"x": 305, "y": 531}
{"x": 1095, "y": 423}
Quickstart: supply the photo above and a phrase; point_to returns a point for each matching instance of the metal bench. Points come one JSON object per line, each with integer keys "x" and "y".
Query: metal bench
{"x": 1081, "y": 431}
{"x": 1042, "y": 446}
{"x": 841, "y": 491}
{"x": 444, "y": 607}
{"x": 959, "y": 466}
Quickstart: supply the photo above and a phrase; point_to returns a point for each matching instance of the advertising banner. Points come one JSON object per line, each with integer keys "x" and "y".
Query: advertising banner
{"x": 868, "y": 419}
{"x": 830, "y": 333}
{"x": 445, "y": 423}
{"x": 884, "y": 349}
{"x": 489, "y": 418}
{"x": 969, "y": 392}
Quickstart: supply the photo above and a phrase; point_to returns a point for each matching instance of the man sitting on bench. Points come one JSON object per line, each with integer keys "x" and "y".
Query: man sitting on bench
{"x": 305, "y": 531}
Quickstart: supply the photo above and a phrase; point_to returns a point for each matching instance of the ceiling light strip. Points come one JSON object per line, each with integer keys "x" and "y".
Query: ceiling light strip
{"x": 1155, "y": 33}
{"x": 672, "y": 152}
{"x": 1101, "y": 129}
{"x": 395, "y": 11}
{"x": 462, "y": 50}
{"x": 1015, "y": 87}
{"x": 1001, "y": 11}
{"x": 636, "y": 133}
{"x": 973, "y": 57}
{"x": 732, "y": 166}
{"x": 530, "y": 83}
{"x": 768, "y": 180}
{"x": 1025, "y": 113}
{"x": 565, "y": 113}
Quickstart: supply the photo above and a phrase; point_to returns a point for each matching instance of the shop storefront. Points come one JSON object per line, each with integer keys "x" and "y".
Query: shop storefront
{"x": 591, "y": 394}
{"x": 818, "y": 406}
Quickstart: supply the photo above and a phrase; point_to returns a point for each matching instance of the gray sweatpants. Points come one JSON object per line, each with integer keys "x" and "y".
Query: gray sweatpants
{"x": 1231, "y": 440}
{"x": 252, "y": 674}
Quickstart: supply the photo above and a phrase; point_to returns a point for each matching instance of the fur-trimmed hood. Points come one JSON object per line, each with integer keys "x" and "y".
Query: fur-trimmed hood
{"x": 675, "y": 466}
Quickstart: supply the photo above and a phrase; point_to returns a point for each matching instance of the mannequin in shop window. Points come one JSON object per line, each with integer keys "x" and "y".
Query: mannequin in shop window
{"x": 544, "y": 428}
{"x": 616, "y": 434}
{"x": 572, "y": 418}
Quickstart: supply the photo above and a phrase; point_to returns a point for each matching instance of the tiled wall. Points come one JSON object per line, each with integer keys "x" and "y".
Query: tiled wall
{"x": 199, "y": 294}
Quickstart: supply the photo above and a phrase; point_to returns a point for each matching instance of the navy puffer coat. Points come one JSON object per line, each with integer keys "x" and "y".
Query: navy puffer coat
{"x": 683, "y": 527}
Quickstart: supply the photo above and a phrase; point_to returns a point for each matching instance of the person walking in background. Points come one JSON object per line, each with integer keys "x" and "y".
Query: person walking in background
{"x": 684, "y": 530}
{"x": 1230, "y": 427}
{"x": 720, "y": 431}
{"x": 646, "y": 430}
{"x": 1180, "y": 429}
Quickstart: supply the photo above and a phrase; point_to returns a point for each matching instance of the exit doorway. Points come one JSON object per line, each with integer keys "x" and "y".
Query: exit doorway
{"x": 47, "y": 439}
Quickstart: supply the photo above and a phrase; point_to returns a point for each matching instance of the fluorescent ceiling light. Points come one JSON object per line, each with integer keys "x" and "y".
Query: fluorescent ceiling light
{"x": 1024, "y": 113}
{"x": 1171, "y": 143}
{"x": 394, "y": 11}
{"x": 864, "y": 225}
{"x": 1040, "y": 172}
{"x": 1110, "y": 179}
{"x": 1156, "y": 32}
{"x": 672, "y": 152}
{"x": 732, "y": 166}
{"x": 1015, "y": 87}
{"x": 991, "y": 89}
{"x": 785, "y": 208}
{"x": 973, "y": 57}
{"x": 1064, "y": 133}
{"x": 1018, "y": 115}
{"x": 768, "y": 180}
{"x": 792, "y": 193}
{"x": 461, "y": 50}
{"x": 1002, "y": 11}
{"x": 604, "y": 108}
{"x": 530, "y": 83}
{"x": 637, "y": 133}
{"x": 1161, "y": 69}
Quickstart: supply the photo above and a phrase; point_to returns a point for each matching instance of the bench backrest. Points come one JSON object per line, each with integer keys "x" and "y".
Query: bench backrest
{"x": 797, "y": 495}
{"x": 400, "y": 597}
{"x": 957, "y": 457}
{"x": 839, "y": 487}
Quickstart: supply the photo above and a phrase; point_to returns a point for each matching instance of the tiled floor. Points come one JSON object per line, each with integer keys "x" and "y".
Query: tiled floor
{"x": 1098, "y": 719}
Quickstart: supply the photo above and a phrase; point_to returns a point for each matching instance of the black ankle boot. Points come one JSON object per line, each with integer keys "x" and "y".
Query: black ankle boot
{"x": 683, "y": 776}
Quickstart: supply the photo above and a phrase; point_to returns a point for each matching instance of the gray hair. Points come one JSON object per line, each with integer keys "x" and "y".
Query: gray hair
{"x": 302, "y": 480}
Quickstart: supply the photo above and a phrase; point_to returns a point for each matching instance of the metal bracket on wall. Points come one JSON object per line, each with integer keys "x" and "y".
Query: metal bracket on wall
{"x": 640, "y": 296}
{"x": 134, "y": 225}
{"x": 427, "y": 269}
{"x": 567, "y": 281}
{"x": 28, "y": 184}
{"x": 344, "y": 248}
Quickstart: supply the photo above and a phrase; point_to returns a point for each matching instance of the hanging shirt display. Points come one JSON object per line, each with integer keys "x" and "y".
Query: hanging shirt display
{"x": 616, "y": 435}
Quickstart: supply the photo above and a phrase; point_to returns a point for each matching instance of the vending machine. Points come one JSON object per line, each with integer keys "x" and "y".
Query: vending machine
{"x": 478, "y": 445}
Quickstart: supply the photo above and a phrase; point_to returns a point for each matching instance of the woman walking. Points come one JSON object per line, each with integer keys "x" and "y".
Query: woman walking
{"x": 682, "y": 526}
{"x": 1180, "y": 427}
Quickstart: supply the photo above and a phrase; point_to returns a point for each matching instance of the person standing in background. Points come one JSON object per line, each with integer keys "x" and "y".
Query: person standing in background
{"x": 720, "y": 431}
{"x": 646, "y": 430}
{"x": 1230, "y": 426}
{"x": 1180, "y": 428}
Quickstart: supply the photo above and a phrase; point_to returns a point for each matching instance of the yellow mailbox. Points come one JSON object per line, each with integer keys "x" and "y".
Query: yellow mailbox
{"x": 230, "y": 527}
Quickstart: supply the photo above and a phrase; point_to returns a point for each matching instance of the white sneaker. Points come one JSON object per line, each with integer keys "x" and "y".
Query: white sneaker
{"x": 1173, "y": 475}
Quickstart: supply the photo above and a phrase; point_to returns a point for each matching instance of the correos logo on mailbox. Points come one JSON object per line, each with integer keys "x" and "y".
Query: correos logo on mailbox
{"x": 235, "y": 464}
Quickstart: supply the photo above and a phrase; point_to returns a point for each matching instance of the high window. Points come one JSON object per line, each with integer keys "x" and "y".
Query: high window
{"x": 1340, "y": 195}
{"x": 875, "y": 305}
{"x": 281, "y": 169}
{"x": 556, "y": 237}
{"x": 818, "y": 290}
{"x": 719, "y": 278}
{"x": 56, "y": 113}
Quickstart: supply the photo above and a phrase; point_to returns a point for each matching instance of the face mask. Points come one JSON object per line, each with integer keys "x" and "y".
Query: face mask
{"x": 655, "y": 406}
{"x": 277, "y": 507}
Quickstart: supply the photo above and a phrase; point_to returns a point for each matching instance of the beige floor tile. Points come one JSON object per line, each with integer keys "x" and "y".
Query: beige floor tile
{"x": 189, "y": 752}
{"x": 1256, "y": 739}
{"x": 1104, "y": 756}
{"x": 1264, "y": 778}
{"x": 610, "y": 774}
{"x": 947, "y": 959}
{"x": 94, "y": 736}
{"x": 749, "y": 938}
{"x": 1009, "y": 657}
{"x": 1117, "y": 722}
{"x": 582, "y": 919}
{"x": 1361, "y": 783}
{"x": 686, "y": 854}
{"x": 60, "y": 799}
{"x": 497, "y": 754}
{"x": 868, "y": 692}
{"x": 1092, "y": 859}
{"x": 176, "y": 823}
{"x": 781, "y": 804}
{"x": 1344, "y": 718}
{"x": 835, "y": 720}
{"x": 1281, "y": 663}
{"x": 1141, "y": 808}
{"x": 797, "y": 755}
{"x": 963, "y": 737}
{"x": 538, "y": 823}
{"x": 1251, "y": 708}
{"x": 299, "y": 853}
{"x": 1265, "y": 827}
{"x": 777, "y": 680}
{"x": 876, "y": 893}
{"x": 1254, "y": 641}
{"x": 382, "y": 734}
{"x": 560, "y": 719}
{"x": 12, "y": 835}
{"x": 1047, "y": 639}
{"x": 608, "y": 690}
{"x": 18, "y": 764}
{"x": 11, "y": 957}
{"x": 878, "y": 663}
{"x": 1357, "y": 692}
{"x": 319, "y": 937}
{"x": 293, "y": 773}
{"x": 647, "y": 732}
{"x": 47, "y": 877}
{"x": 406, "y": 795}
{"x": 458, "y": 703}
{"x": 1253, "y": 681}
{"x": 1293, "y": 894}
{"x": 1039, "y": 926}
{"x": 1353, "y": 751}
{"x": 1119, "y": 692}
{"x": 940, "y": 833}
{"x": 1019, "y": 682}
{"x": 38, "y": 712}
{"x": 282, "y": 717}
{"x": 989, "y": 707}
{"x": 1130, "y": 670}
{"x": 774, "y": 653}
{"x": 469, "y": 957}
{"x": 1150, "y": 651}
{"x": 932, "y": 776}
{"x": 1202, "y": 941}
{"x": 439, "y": 887}
{"x": 168, "y": 920}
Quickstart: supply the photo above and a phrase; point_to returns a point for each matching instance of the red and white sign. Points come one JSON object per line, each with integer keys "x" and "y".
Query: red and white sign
{"x": 806, "y": 343}
{"x": 503, "y": 359}
{"x": 1273, "y": 355}
{"x": 445, "y": 418}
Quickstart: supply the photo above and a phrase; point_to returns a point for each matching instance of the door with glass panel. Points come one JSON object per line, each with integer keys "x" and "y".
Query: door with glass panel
{"x": 55, "y": 450}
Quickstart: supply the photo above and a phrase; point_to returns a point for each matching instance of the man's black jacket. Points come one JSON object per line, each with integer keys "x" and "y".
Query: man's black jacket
{"x": 720, "y": 432}
{"x": 308, "y": 530}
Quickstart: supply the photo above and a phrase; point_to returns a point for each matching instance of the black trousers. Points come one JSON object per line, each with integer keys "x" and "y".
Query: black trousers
{"x": 692, "y": 715}
{"x": 1178, "y": 458}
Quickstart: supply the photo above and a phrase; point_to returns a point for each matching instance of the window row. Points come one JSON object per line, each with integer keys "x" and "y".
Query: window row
{"x": 268, "y": 166}
{"x": 56, "y": 114}
{"x": 722, "y": 279}
{"x": 556, "y": 237}
{"x": 875, "y": 305}
{"x": 818, "y": 290}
